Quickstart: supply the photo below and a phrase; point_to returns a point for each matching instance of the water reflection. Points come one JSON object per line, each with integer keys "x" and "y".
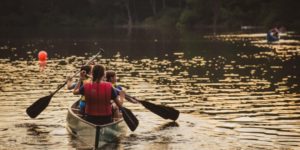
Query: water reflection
{"x": 42, "y": 65}
{"x": 231, "y": 96}
{"x": 168, "y": 125}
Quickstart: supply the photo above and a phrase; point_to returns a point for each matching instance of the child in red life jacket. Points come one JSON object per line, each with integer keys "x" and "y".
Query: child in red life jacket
{"x": 98, "y": 95}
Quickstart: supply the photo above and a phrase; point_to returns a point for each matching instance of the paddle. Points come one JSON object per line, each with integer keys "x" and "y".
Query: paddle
{"x": 165, "y": 112}
{"x": 130, "y": 119}
{"x": 38, "y": 106}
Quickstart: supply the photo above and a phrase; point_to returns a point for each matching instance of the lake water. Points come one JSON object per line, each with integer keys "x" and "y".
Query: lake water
{"x": 234, "y": 91}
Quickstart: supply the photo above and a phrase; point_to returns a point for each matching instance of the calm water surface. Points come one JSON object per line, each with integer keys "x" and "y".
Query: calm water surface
{"x": 234, "y": 91}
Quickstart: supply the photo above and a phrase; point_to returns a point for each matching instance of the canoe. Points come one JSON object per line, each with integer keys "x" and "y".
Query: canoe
{"x": 92, "y": 134}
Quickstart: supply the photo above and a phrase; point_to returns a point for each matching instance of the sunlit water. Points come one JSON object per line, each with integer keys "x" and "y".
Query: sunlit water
{"x": 236, "y": 99}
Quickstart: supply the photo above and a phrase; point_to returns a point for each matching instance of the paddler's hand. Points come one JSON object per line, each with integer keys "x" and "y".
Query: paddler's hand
{"x": 69, "y": 79}
{"x": 122, "y": 94}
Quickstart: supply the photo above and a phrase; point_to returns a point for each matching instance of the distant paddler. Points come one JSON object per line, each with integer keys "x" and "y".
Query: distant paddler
{"x": 273, "y": 34}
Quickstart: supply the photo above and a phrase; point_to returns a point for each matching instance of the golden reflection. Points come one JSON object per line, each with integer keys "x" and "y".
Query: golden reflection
{"x": 249, "y": 101}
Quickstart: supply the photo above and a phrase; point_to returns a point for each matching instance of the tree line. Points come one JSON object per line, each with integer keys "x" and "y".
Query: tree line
{"x": 153, "y": 13}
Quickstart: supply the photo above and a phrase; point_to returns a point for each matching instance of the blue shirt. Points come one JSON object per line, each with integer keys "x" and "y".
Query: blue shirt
{"x": 118, "y": 88}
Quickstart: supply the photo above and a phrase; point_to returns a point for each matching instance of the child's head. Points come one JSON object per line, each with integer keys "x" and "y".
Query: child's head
{"x": 98, "y": 72}
{"x": 111, "y": 76}
{"x": 87, "y": 69}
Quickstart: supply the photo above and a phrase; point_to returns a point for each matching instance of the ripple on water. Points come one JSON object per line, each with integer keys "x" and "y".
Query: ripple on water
{"x": 248, "y": 101}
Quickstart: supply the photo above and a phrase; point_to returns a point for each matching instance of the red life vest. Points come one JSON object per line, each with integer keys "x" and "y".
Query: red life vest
{"x": 97, "y": 97}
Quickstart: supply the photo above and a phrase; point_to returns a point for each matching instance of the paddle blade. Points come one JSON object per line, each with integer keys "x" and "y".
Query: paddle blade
{"x": 37, "y": 107}
{"x": 131, "y": 121}
{"x": 163, "y": 111}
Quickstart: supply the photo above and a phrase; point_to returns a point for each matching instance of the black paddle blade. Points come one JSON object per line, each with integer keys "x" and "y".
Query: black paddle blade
{"x": 163, "y": 111}
{"x": 37, "y": 107}
{"x": 131, "y": 121}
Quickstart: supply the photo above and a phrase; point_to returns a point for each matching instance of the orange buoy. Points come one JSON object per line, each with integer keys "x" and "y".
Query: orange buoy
{"x": 42, "y": 56}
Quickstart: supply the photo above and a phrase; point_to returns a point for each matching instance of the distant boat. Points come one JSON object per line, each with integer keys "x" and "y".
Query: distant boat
{"x": 93, "y": 135}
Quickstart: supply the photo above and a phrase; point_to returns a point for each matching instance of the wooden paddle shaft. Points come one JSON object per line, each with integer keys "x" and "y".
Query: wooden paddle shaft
{"x": 61, "y": 86}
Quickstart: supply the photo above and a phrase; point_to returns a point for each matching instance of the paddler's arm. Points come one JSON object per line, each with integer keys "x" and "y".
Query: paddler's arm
{"x": 70, "y": 85}
{"x": 117, "y": 101}
{"x": 77, "y": 88}
{"x": 114, "y": 96}
{"x": 122, "y": 96}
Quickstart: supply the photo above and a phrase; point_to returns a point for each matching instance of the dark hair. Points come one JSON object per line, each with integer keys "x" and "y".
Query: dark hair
{"x": 98, "y": 72}
{"x": 87, "y": 69}
{"x": 109, "y": 75}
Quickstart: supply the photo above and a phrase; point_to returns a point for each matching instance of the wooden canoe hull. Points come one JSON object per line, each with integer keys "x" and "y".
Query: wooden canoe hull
{"x": 92, "y": 134}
